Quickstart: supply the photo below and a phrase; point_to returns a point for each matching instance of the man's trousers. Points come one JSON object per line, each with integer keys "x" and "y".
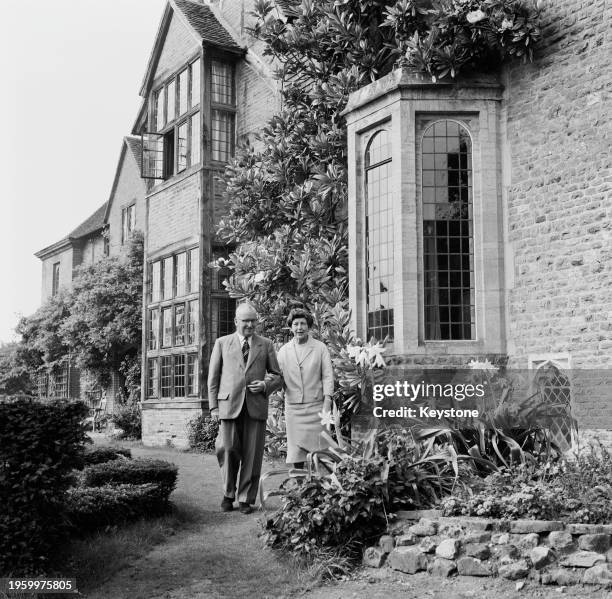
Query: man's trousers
{"x": 239, "y": 448}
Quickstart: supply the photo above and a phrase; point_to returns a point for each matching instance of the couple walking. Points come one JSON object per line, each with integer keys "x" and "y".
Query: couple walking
{"x": 244, "y": 370}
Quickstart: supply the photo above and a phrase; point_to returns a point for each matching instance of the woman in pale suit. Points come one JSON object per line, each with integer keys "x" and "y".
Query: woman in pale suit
{"x": 308, "y": 383}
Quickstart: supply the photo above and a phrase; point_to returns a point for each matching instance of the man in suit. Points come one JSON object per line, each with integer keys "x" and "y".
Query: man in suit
{"x": 243, "y": 371}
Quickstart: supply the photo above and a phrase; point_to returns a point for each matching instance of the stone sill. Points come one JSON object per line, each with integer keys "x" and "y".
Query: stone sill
{"x": 175, "y": 404}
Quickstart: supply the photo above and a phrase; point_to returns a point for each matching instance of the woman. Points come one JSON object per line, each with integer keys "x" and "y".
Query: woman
{"x": 308, "y": 383}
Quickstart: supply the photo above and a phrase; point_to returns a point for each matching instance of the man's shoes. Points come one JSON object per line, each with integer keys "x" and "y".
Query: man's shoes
{"x": 227, "y": 505}
{"x": 245, "y": 508}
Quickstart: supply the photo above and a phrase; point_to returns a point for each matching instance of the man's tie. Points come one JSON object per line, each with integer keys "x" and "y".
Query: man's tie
{"x": 245, "y": 351}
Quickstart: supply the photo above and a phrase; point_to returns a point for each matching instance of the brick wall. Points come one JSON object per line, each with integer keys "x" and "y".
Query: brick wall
{"x": 559, "y": 207}
{"x": 130, "y": 189}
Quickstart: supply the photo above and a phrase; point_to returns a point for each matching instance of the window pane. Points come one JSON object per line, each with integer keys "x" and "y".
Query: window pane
{"x": 194, "y": 279}
{"x": 179, "y": 376}
{"x": 192, "y": 321}
{"x": 153, "y": 378}
{"x": 166, "y": 376}
{"x": 181, "y": 274}
{"x": 181, "y": 147}
{"x": 131, "y": 217}
{"x": 166, "y": 327}
{"x": 447, "y": 225}
{"x": 183, "y": 82}
{"x": 168, "y": 279}
{"x": 195, "y": 139}
{"x": 223, "y": 311}
{"x": 179, "y": 324}
{"x": 156, "y": 281}
{"x": 171, "y": 101}
{"x": 195, "y": 83}
{"x": 222, "y": 138}
{"x": 222, "y": 83}
{"x": 160, "y": 113}
{"x": 56, "y": 279}
{"x": 192, "y": 374}
{"x": 379, "y": 237}
{"x": 153, "y": 329}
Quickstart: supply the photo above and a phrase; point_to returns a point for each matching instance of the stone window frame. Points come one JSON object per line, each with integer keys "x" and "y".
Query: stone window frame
{"x": 55, "y": 278}
{"x": 402, "y": 98}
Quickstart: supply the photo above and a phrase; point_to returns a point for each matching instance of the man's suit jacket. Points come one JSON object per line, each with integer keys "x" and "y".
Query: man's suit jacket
{"x": 309, "y": 379}
{"x": 228, "y": 376}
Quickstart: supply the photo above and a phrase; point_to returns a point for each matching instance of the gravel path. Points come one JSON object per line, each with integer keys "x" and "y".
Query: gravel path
{"x": 221, "y": 556}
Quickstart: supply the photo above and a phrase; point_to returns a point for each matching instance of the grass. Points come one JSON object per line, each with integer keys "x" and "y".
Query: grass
{"x": 96, "y": 558}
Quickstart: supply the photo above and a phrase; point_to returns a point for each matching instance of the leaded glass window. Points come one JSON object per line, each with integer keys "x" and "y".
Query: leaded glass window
{"x": 192, "y": 321}
{"x": 154, "y": 328}
{"x": 168, "y": 279}
{"x": 179, "y": 324}
{"x": 156, "y": 281}
{"x": 167, "y": 327}
{"x": 179, "y": 376}
{"x": 181, "y": 274}
{"x": 181, "y": 147}
{"x": 166, "y": 376}
{"x": 448, "y": 238}
{"x": 183, "y": 86}
{"x": 194, "y": 279}
{"x": 379, "y": 236}
{"x": 222, "y": 135}
{"x": 153, "y": 378}
{"x": 192, "y": 374}
{"x": 222, "y": 83}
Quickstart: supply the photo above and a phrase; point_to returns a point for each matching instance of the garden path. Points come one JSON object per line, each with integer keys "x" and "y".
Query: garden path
{"x": 219, "y": 555}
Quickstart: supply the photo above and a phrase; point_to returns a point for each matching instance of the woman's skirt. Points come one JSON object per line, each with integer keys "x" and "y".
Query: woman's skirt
{"x": 304, "y": 430}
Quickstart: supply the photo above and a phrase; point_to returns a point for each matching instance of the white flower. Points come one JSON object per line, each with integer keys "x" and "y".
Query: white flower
{"x": 475, "y": 16}
{"x": 259, "y": 277}
{"x": 506, "y": 24}
{"x": 327, "y": 418}
{"x": 486, "y": 365}
{"x": 375, "y": 355}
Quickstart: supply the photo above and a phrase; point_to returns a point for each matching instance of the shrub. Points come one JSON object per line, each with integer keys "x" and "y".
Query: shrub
{"x": 135, "y": 472}
{"x": 40, "y": 445}
{"x": 127, "y": 416}
{"x": 571, "y": 491}
{"x": 99, "y": 455}
{"x": 90, "y": 508}
{"x": 202, "y": 432}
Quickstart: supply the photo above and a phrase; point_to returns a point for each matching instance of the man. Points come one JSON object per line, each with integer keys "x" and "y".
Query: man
{"x": 243, "y": 371}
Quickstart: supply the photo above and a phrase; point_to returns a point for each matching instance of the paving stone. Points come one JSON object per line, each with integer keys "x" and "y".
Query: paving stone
{"x": 599, "y": 542}
{"x": 407, "y": 559}
{"x": 405, "y": 540}
{"x": 562, "y": 576}
{"x": 424, "y": 528}
{"x": 582, "y": 559}
{"x": 514, "y": 571}
{"x": 428, "y": 545}
{"x": 599, "y": 574}
{"x": 587, "y": 529}
{"x": 541, "y": 556}
{"x": 386, "y": 543}
{"x": 470, "y": 566}
{"x": 448, "y": 549}
{"x": 561, "y": 540}
{"x": 479, "y": 550}
{"x": 373, "y": 557}
{"x": 443, "y": 567}
{"x": 526, "y": 526}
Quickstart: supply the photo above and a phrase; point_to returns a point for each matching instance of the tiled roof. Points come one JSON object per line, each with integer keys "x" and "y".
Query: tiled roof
{"x": 205, "y": 24}
{"x": 135, "y": 145}
{"x": 91, "y": 224}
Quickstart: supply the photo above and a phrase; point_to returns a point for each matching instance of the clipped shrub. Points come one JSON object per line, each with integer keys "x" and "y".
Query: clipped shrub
{"x": 91, "y": 508}
{"x": 99, "y": 455}
{"x": 134, "y": 472}
{"x": 202, "y": 432}
{"x": 40, "y": 445}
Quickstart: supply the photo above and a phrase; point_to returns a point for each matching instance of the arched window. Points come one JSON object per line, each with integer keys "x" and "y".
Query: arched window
{"x": 448, "y": 246}
{"x": 379, "y": 236}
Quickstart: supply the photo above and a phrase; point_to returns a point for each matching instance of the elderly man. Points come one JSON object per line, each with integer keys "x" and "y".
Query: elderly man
{"x": 243, "y": 371}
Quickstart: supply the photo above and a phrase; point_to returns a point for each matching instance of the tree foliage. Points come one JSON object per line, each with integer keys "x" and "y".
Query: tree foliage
{"x": 287, "y": 197}
{"x": 15, "y": 376}
{"x": 99, "y": 322}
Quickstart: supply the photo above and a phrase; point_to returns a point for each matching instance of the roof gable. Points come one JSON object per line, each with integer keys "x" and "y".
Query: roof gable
{"x": 203, "y": 25}
{"x": 90, "y": 225}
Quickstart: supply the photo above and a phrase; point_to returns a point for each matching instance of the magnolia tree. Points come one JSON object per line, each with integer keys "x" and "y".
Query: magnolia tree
{"x": 287, "y": 196}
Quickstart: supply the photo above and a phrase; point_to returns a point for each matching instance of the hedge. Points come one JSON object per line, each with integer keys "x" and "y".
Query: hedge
{"x": 40, "y": 445}
{"x": 91, "y": 508}
{"x": 99, "y": 455}
{"x": 135, "y": 472}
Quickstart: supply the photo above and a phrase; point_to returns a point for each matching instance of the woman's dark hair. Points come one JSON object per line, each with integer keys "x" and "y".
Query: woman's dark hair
{"x": 300, "y": 313}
